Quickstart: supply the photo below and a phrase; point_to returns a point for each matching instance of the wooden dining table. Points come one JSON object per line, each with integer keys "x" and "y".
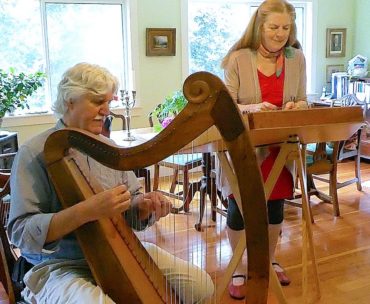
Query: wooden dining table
{"x": 141, "y": 135}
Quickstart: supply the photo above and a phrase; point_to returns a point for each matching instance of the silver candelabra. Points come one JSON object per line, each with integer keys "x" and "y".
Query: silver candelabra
{"x": 128, "y": 104}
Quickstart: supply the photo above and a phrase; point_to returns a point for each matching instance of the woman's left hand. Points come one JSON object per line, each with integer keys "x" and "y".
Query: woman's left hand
{"x": 300, "y": 104}
{"x": 289, "y": 105}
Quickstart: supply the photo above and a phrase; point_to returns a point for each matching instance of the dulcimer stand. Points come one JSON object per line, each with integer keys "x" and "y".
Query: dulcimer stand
{"x": 292, "y": 130}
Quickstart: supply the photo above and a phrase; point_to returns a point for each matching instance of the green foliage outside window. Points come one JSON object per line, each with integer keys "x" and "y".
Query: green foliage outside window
{"x": 16, "y": 88}
{"x": 210, "y": 40}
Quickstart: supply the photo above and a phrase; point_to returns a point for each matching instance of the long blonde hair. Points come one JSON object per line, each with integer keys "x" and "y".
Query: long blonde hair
{"x": 251, "y": 37}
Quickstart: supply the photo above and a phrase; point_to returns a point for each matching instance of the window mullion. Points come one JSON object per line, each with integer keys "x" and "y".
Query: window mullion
{"x": 44, "y": 33}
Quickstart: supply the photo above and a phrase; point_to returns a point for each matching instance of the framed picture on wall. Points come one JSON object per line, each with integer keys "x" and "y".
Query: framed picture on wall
{"x": 160, "y": 41}
{"x": 336, "y": 42}
{"x": 330, "y": 69}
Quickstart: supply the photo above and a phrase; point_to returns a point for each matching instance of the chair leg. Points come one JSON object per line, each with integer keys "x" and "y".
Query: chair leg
{"x": 143, "y": 172}
{"x": 192, "y": 189}
{"x": 213, "y": 199}
{"x": 358, "y": 172}
{"x": 202, "y": 206}
{"x": 185, "y": 190}
{"x": 4, "y": 212}
{"x": 174, "y": 180}
{"x": 334, "y": 193}
{"x": 156, "y": 177}
{"x": 147, "y": 180}
{"x": 208, "y": 187}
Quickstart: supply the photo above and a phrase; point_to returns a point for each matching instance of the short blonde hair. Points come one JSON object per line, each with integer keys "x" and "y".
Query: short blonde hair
{"x": 81, "y": 79}
{"x": 251, "y": 37}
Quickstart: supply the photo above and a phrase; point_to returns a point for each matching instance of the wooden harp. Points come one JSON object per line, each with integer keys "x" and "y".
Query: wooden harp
{"x": 122, "y": 276}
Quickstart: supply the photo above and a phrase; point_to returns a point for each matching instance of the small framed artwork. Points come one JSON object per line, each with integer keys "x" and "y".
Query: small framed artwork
{"x": 330, "y": 69}
{"x": 160, "y": 41}
{"x": 336, "y": 42}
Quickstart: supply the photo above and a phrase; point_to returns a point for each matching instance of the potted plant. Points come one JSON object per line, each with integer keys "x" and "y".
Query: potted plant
{"x": 16, "y": 88}
{"x": 169, "y": 108}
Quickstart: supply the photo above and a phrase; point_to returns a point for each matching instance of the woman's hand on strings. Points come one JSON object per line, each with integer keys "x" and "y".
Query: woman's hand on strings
{"x": 257, "y": 107}
{"x": 156, "y": 203}
{"x": 300, "y": 104}
{"x": 266, "y": 106}
{"x": 109, "y": 202}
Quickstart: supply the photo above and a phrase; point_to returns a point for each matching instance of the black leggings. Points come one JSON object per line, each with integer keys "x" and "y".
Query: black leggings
{"x": 275, "y": 209}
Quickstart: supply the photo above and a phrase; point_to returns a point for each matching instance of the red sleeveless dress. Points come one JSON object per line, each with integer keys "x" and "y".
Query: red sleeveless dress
{"x": 272, "y": 90}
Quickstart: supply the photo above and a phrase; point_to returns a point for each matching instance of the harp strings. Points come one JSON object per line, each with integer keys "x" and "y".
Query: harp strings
{"x": 172, "y": 231}
{"x": 96, "y": 181}
{"x": 176, "y": 233}
{"x": 208, "y": 249}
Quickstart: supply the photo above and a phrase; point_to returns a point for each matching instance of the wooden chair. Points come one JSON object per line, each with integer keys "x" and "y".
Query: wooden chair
{"x": 324, "y": 161}
{"x": 321, "y": 161}
{"x": 180, "y": 164}
{"x": 5, "y": 187}
{"x": 8, "y": 257}
{"x": 6, "y": 264}
{"x": 141, "y": 172}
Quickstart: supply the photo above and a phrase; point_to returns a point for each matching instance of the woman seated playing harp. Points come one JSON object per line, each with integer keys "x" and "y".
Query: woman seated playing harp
{"x": 42, "y": 229}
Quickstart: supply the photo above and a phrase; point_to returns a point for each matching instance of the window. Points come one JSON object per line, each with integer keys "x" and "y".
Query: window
{"x": 51, "y": 36}
{"x": 21, "y": 40}
{"x": 214, "y": 25}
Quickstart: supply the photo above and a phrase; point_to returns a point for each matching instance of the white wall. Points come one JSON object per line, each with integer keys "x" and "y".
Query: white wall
{"x": 160, "y": 76}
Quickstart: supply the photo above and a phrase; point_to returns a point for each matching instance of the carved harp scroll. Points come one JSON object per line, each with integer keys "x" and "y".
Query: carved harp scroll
{"x": 209, "y": 105}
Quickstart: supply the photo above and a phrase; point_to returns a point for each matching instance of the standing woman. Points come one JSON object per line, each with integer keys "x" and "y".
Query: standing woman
{"x": 265, "y": 70}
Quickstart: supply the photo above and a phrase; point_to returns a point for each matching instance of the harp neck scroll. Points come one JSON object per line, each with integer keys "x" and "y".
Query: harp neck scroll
{"x": 209, "y": 105}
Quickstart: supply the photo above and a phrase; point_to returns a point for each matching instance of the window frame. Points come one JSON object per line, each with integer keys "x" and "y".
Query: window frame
{"x": 127, "y": 82}
{"x": 310, "y": 7}
{"x": 130, "y": 60}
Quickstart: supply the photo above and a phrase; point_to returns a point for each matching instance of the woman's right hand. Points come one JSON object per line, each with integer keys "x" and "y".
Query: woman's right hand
{"x": 257, "y": 107}
{"x": 266, "y": 106}
{"x": 107, "y": 203}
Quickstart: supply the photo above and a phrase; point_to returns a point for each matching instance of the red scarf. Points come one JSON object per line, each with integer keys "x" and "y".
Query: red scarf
{"x": 279, "y": 60}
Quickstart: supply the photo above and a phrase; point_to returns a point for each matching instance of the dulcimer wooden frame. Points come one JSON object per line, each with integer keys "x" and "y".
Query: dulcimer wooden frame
{"x": 111, "y": 255}
{"x": 299, "y": 128}
{"x": 292, "y": 130}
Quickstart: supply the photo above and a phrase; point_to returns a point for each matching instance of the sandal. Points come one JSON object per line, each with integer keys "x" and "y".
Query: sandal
{"x": 283, "y": 278}
{"x": 237, "y": 292}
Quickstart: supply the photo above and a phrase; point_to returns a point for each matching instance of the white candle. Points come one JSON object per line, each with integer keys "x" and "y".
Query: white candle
{"x": 133, "y": 80}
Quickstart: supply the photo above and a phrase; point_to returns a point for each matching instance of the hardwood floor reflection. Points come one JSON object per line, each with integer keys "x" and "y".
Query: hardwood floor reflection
{"x": 342, "y": 244}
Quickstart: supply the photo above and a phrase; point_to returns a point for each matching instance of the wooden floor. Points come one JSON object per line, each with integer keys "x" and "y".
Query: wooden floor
{"x": 342, "y": 244}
